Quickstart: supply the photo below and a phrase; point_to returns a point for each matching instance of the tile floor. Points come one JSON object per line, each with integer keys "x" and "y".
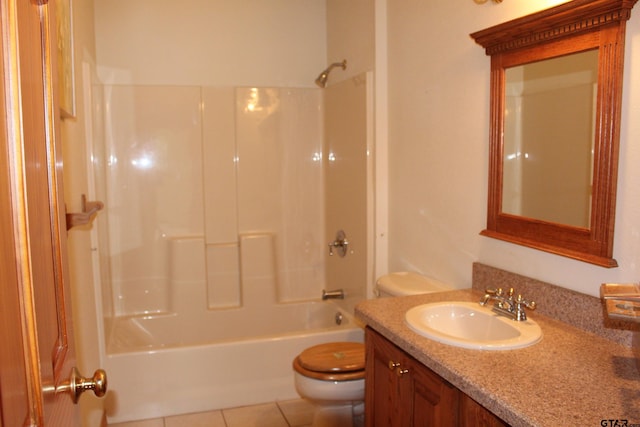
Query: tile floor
{"x": 290, "y": 413}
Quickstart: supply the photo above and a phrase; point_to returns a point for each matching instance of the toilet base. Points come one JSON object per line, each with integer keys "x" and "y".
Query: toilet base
{"x": 337, "y": 416}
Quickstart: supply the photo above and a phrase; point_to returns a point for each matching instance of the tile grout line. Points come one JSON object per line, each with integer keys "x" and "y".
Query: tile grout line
{"x": 224, "y": 419}
{"x": 286, "y": 420}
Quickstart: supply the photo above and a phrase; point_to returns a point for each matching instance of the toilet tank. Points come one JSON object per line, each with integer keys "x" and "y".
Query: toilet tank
{"x": 408, "y": 283}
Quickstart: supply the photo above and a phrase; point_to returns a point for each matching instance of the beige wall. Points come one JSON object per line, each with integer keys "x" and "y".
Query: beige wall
{"x": 438, "y": 150}
{"x": 351, "y": 35}
{"x": 347, "y": 184}
{"x": 74, "y": 137}
{"x": 211, "y": 42}
{"x": 348, "y": 115}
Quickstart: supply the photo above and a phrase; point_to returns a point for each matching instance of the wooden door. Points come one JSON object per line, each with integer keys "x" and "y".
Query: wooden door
{"x": 37, "y": 351}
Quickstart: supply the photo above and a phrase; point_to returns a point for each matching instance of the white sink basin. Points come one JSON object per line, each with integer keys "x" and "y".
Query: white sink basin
{"x": 469, "y": 325}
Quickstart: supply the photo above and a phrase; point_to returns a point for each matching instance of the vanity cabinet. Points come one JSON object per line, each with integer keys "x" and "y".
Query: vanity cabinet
{"x": 402, "y": 392}
{"x": 473, "y": 414}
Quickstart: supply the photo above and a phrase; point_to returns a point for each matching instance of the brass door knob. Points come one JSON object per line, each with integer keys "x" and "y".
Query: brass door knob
{"x": 78, "y": 384}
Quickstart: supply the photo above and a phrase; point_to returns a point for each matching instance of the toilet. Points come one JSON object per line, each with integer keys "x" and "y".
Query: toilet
{"x": 408, "y": 283}
{"x": 331, "y": 375}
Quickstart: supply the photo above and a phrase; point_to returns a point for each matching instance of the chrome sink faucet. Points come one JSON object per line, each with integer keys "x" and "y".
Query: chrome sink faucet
{"x": 507, "y": 304}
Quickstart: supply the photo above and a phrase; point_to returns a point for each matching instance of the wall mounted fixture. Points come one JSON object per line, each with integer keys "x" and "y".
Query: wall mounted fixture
{"x": 89, "y": 209}
{"x": 340, "y": 244}
{"x": 321, "y": 81}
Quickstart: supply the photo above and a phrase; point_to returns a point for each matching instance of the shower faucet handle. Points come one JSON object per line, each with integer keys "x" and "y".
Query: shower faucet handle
{"x": 341, "y": 243}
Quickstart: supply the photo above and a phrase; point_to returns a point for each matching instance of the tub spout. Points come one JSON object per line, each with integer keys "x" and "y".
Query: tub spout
{"x": 335, "y": 294}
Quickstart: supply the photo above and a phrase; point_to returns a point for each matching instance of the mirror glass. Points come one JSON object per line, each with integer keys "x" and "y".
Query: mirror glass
{"x": 549, "y": 126}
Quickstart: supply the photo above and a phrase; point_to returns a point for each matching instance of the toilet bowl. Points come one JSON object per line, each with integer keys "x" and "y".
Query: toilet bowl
{"x": 331, "y": 375}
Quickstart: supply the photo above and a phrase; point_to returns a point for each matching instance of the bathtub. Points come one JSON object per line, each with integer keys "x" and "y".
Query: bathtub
{"x": 158, "y": 366}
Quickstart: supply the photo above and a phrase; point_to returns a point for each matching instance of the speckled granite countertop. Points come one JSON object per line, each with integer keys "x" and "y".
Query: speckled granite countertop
{"x": 570, "y": 378}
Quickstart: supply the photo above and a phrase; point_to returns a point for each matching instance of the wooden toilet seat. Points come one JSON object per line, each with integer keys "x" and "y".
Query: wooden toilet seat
{"x": 336, "y": 361}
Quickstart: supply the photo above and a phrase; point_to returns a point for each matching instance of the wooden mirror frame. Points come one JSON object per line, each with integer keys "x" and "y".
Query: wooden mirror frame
{"x": 571, "y": 27}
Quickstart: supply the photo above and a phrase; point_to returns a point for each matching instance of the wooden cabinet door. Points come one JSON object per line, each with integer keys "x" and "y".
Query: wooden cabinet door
{"x": 434, "y": 401}
{"x": 382, "y": 385}
{"x": 401, "y": 392}
{"x": 37, "y": 352}
{"x": 472, "y": 414}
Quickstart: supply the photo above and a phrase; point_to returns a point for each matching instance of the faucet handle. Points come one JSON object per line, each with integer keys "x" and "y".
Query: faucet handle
{"x": 494, "y": 291}
{"x": 531, "y": 305}
{"x": 519, "y": 312}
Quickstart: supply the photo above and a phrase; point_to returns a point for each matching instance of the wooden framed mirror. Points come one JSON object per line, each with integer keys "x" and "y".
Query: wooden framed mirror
{"x": 556, "y": 90}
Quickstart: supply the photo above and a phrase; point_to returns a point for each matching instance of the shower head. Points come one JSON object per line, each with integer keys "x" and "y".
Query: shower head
{"x": 321, "y": 81}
